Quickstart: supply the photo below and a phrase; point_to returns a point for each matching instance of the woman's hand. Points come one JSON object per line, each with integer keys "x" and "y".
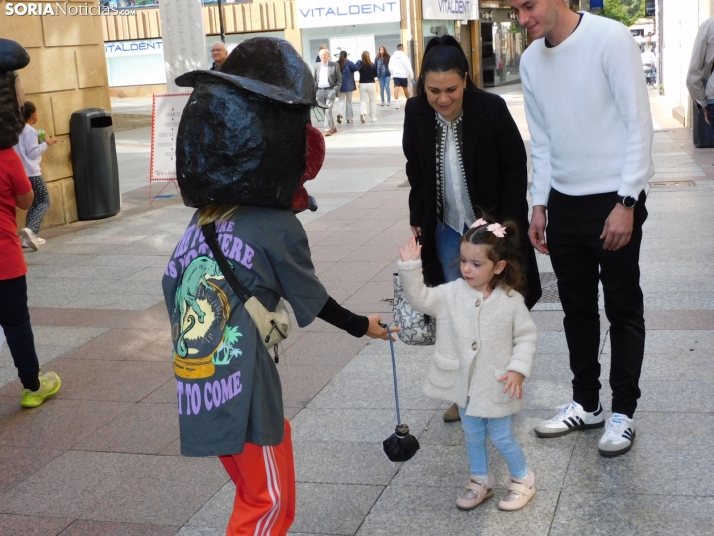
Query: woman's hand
{"x": 376, "y": 330}
{"x": 514, "y": 383}
{"x": 416, "y": 231}
{"x": 411, "y": 251}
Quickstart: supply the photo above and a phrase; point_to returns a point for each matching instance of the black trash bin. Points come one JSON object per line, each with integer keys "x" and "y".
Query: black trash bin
{"x": 701, "y": 130}
{"x": 94, "y": 158}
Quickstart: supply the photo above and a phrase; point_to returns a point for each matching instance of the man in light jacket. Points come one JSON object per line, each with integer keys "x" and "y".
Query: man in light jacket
{"x": 401, "y": 69}
{"x": 699, "y": 80}
{"x": 328, "y": 80}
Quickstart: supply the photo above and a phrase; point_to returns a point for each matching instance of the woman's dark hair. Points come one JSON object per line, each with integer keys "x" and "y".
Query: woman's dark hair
{"x": 498, "y": 249}
{"x": 27, "y": 110}
{"x": 444, "y": 54}
{"x": 342, "y": 60}
{"x": 385, "y": 57}
{"x": 366, "y": 60}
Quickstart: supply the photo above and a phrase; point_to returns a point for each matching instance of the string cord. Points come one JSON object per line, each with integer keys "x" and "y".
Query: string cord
{"x": 394, "y": 370}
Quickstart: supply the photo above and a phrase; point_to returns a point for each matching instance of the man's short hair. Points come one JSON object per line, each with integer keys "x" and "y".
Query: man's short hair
{"x": 219, "y": 43}
{"x": 400, "y": 45}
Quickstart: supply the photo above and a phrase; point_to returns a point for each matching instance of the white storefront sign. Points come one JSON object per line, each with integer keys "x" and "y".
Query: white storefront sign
{"x": 135, "y": 63}
{"x": 322, "y": 13}
{"x": 449, "y": 9}
{"x": 184, "y": 40}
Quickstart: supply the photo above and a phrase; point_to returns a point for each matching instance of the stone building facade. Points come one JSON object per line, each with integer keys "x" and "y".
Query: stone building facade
{"x": 67, "y": 72}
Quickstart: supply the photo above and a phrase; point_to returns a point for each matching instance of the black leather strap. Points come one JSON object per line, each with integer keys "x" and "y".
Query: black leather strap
{"x": 209, "y": 232}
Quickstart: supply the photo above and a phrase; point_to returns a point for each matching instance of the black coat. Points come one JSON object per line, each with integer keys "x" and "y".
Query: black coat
{"x": 495, "y": 165}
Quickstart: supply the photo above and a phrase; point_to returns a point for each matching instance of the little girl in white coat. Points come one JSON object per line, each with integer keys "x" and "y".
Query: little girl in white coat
{"x": 485, "y": 343}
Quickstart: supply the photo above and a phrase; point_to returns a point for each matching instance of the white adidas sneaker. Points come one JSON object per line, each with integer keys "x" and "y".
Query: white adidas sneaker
{"x": 570, "y": 418}
{"x": 618, "y": 437}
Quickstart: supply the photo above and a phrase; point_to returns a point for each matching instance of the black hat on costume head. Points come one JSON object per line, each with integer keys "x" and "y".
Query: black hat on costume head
{"x": 241, "y": 139}
{"x": 12, "y": 58}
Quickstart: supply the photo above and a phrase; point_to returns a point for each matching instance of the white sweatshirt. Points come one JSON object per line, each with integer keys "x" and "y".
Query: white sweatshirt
{"x": 588, "y": 112}
{"x": 30, "y": 151}
{"x": 400, "y": 66}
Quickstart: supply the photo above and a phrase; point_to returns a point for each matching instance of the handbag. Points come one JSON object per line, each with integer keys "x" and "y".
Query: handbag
{"x": 418, "y": 329}
{"x": 274, "y": 327}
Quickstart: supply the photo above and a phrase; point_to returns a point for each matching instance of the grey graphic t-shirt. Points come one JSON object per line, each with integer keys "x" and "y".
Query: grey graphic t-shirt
{"x": 227, "y": 385}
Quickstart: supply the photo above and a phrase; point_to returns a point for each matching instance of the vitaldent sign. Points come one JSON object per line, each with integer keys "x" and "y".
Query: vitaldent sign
{"x": 321, "y": 13}
{"x": 449, "y": 9}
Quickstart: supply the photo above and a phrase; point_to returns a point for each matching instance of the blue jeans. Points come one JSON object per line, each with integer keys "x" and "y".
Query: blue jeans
{"x": 477, "y": 429}
{"x": 384, "y": 84}
{"x": 448, "y": 249}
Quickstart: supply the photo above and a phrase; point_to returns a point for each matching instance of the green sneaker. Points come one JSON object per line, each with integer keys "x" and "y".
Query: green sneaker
{"x": 50, "y": 383}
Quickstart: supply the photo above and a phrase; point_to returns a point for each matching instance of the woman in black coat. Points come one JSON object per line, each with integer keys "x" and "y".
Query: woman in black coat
{"x": 491, "y": 156}
{"x": 464, "y": 155}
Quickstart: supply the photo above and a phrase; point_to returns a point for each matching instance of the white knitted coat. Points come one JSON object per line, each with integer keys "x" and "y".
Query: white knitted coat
{"x": 498, "y": 333}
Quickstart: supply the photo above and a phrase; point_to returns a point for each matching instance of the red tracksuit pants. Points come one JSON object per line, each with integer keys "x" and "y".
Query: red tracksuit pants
{"x": 265, "y": 489}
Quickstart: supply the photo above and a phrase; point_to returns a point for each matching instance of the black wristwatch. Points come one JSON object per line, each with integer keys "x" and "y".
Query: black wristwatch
{"x": 628, "y": 201}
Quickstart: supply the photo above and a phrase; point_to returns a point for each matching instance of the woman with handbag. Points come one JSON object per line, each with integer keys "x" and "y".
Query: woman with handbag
{"x": 348, "y": 69}
{"x": 464, "y": 155}
{"x": 243, "y": 253}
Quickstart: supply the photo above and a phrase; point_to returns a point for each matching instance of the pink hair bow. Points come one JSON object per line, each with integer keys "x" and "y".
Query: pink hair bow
{"x": 497, "y": 229}
{"x": 479, "y": 223}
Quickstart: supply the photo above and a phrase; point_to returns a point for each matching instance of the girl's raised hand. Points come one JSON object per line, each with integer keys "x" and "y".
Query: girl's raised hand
{"x": 514, "y": 383}
{"x": 411, "y": 251}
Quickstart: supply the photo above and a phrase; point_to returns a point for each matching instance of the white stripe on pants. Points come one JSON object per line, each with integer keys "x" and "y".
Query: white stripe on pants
{"x": 367, "y": 91}
{"x": 345, "y": 102}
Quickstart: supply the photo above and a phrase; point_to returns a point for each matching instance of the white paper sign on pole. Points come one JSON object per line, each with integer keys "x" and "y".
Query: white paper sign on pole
{"x": 184, "y": 39}
{"x": 165, "y": 118}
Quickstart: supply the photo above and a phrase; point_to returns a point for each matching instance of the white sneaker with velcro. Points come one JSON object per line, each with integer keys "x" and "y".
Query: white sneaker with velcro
{"x": 570, "y": 418}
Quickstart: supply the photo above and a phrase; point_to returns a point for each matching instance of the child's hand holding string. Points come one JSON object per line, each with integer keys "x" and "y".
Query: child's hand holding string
{"x": 514, "y": 383}
{"x": 411, "y": 251}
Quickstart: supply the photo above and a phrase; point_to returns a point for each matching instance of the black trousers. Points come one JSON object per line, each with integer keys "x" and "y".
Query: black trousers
{"x": 15, "y": 322}
{"x": 575, "y": 224}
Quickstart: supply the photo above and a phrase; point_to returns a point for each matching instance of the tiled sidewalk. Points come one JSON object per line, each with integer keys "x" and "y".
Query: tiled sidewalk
{"x": 103, "y": 457}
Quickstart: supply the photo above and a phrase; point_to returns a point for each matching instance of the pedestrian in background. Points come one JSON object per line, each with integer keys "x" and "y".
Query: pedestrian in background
{"x": 30, "y": 147}
{"x": 328, "y": 79}
{"x": 588, "y": 189}
{"x": 700, "y": 82}
{"x": 16, "y": 191}
{"x": 348, "y": 69}
{"x": 219, "y": 53}
{"x": 401, "y": 69}
{"x": 320, "y": 49}
{"x": 481, "y": 370}
{"x": 478, "y": 160}
{"x": 367, "y": 91}
{"x": 383, "y": 74}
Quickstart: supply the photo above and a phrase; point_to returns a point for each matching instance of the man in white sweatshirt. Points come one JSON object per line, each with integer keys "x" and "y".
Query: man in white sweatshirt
{"x": 591, "y": 143}
{"x": 401, "y": 69}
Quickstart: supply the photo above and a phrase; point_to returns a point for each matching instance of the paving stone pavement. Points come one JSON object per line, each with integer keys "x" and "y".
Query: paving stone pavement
{"x": 103, "y": 456}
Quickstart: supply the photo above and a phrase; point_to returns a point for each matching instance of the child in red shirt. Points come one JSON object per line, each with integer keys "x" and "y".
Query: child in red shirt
{"x": 16, "y": 191}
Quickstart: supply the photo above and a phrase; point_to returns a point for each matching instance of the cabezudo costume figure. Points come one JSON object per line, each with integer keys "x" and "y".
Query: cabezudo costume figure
{"x": 245, "y": 147}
